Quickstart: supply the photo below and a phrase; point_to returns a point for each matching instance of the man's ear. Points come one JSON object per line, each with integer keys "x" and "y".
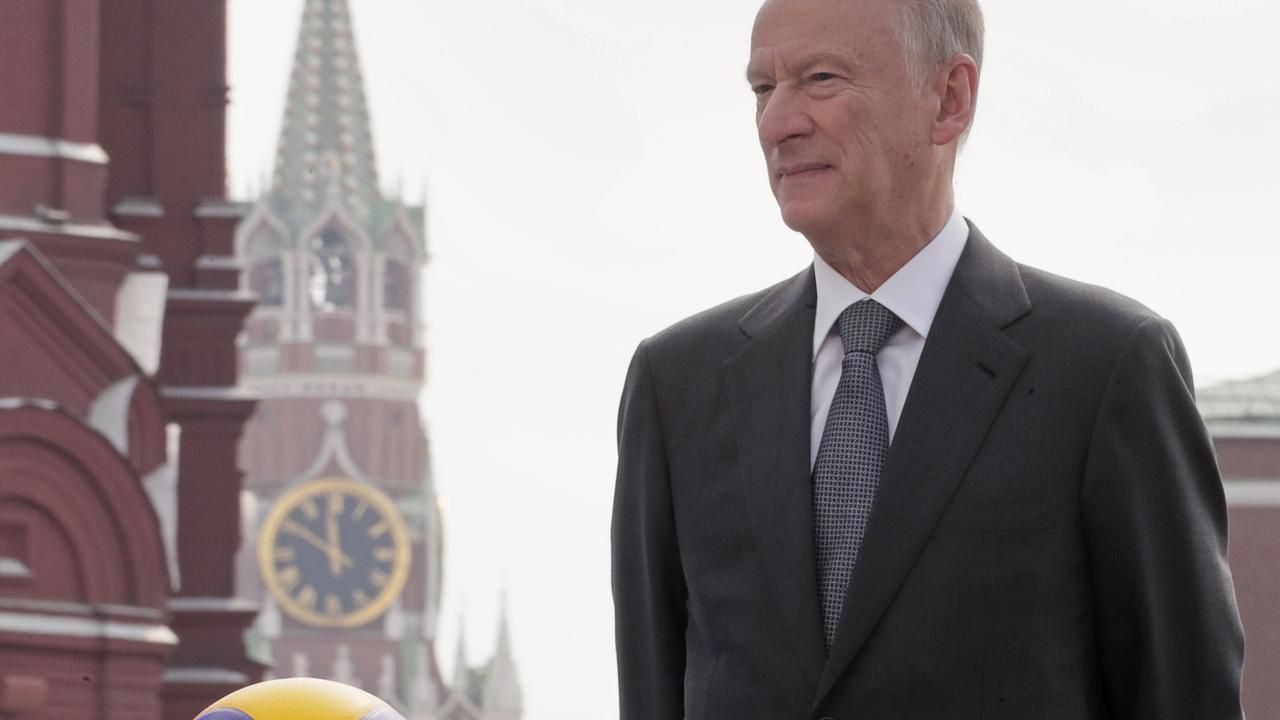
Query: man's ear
{"x": 956, "y": 85}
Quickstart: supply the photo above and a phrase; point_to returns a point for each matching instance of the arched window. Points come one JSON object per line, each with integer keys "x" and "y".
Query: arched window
{"x": 332, "y": 285}
{"x": 396, "y": 288}
{"x": 264, "y": 274}
{"x": 266, "y": 280}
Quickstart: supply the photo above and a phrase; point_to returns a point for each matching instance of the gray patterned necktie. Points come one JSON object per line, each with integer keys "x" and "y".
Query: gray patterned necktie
{"x": 854, "y": 441}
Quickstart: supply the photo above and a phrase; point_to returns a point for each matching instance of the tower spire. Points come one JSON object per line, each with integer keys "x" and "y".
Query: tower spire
{"x": 460, "y": 659}
{"x": 503, "y": 699}
{"x": 325, "y": 138}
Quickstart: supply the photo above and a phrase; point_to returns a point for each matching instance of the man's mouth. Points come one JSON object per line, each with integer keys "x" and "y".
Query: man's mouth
{"x": 800, "y": 169}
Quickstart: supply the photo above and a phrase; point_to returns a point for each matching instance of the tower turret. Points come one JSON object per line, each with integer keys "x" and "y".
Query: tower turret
{"x": 503, "y": 698}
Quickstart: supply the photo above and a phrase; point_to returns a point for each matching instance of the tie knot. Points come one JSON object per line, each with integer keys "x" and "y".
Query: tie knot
{"x": 866, "y": 326}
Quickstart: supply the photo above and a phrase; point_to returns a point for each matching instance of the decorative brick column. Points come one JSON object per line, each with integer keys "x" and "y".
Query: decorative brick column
{"x": 163, "y": 117}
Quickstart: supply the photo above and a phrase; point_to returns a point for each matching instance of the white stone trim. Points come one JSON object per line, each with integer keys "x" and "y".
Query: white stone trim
{"x": 138, "y": 207}
{"x": 17, "y": 403}
{"x": 1252, "y": 493}
{"x": 24, "y": 223}
{"x": 109, "y": 413}
{"x": 205, "y": 675}
{"x": 219, "y": 208}
{"x": 334, "y": 448}
{"x": 212, "y": 604}
{"x": 301, "y": 274}
{"x": 318, "y": 385}
{"x": 261, "y": 360}
{"x": 139, "y": 326}
{"x": 162, "y": 490}
{"x": 210, "y": 295}
{"x": 258, "y": 216}
{"x": 47, "y": 147}
{"x": 11, "y": 567}
{"x": 219, "y": 262}
{"x": 81, "y": 627}
{"x": 206, "y": 392}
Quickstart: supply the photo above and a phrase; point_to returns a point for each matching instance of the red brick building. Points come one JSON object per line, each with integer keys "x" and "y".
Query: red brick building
{"x": 122, "y": 295}
{"x": 119, "y": 413}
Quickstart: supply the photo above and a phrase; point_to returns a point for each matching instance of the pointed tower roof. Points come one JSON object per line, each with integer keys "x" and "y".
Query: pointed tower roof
{"x": 503, "y": 698}
{"x": 326, "y": 145}
{"x": 460, "y": 668}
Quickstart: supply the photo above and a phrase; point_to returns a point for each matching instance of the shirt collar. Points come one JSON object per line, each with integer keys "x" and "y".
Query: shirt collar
{"x": 912, "y": 293}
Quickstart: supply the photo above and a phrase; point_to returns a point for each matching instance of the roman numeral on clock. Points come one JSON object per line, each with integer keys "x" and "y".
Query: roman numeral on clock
{"x": 307, "y": 598}
{"x": 332, "y": 605}
{"x": 289, "y": 578}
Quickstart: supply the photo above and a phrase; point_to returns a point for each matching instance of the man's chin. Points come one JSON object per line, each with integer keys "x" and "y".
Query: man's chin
{"x": 804, "y": 218}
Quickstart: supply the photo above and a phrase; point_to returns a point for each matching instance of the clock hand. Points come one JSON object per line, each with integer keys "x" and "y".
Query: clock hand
{"x": 335, "y": 544}
{"x": 311, "y": 538}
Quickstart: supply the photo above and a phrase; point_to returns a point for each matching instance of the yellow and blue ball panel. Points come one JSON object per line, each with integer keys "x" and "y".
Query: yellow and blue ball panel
{"x": 299, "y": 699}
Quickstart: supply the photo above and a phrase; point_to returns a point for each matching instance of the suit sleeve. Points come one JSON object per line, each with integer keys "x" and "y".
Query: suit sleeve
{"x": 1170, "y": 642}
{"x": 649, "y": 592}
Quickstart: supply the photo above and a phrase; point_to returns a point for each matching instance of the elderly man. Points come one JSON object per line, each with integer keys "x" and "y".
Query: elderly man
{"x": 918, "y": 479}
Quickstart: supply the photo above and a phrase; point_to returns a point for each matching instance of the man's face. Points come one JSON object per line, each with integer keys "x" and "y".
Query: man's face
{"x": 845, "y": 135}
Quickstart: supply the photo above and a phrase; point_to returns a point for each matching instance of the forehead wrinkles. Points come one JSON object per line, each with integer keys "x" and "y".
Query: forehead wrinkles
{"x": 846, "y": 32}
{"x": 798, "y": 56}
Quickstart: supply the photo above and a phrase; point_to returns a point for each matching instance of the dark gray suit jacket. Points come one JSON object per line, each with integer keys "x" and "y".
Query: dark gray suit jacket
{"x": 1048, "y": 539}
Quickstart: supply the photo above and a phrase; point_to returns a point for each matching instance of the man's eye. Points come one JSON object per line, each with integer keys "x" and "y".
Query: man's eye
{"x": 761, "y": 88}
{"x": 822, "y": 76}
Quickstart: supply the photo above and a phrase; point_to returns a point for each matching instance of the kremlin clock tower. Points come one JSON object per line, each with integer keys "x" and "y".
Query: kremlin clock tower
{"x": 342, "y": 530}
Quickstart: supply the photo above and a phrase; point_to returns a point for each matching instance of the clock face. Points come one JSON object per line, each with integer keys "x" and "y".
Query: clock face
{"x": 334, "y": 553}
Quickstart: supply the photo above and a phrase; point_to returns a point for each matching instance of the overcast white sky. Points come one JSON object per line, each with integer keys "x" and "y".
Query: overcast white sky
{"x": 592, "y": 175}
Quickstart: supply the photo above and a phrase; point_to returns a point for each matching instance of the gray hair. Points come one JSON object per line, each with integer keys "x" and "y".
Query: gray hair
{"x": 934, "y": 31}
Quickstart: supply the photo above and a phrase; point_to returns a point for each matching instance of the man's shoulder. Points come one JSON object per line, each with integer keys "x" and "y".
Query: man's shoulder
{"x": 1054, "y": 301}
{"x": 718, "y": 330}
{"x": 1094, "y": 320}
{"x": 1058, "y": 293}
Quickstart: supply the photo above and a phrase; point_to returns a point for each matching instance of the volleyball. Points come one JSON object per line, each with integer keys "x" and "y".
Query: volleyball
{"x": 299, "y": 699}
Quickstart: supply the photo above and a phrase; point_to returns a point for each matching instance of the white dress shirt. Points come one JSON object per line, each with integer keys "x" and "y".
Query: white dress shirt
{"x": 912, "y": 293}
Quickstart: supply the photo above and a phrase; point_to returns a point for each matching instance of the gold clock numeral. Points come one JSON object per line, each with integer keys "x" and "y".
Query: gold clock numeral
{"x": 284, "y": 554}
{"x": 334, "y": 503}
{"x": 307, "y": 598}
{"x": 310, "y": 509}
{"x": 379, "y": 530}
{"x": 361, "y": 508}
{"x": 384, "y": 554}
{"x": 360, "y": 598}
{"x": 379, "y": 578}
{"x": 289, "y": 578}
{"x": 332, "y": 605}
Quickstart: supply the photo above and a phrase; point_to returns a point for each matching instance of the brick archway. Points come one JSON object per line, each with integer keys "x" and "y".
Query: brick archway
{"x": 82, "y": 567}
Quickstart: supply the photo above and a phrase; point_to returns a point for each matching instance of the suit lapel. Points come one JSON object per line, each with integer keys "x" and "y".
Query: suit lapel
{"x": 966, "y": 369}
{"x": 768, "y": 390}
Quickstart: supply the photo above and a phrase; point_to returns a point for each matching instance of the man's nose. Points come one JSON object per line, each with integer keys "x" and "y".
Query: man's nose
{"x": 784, "y": 116}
